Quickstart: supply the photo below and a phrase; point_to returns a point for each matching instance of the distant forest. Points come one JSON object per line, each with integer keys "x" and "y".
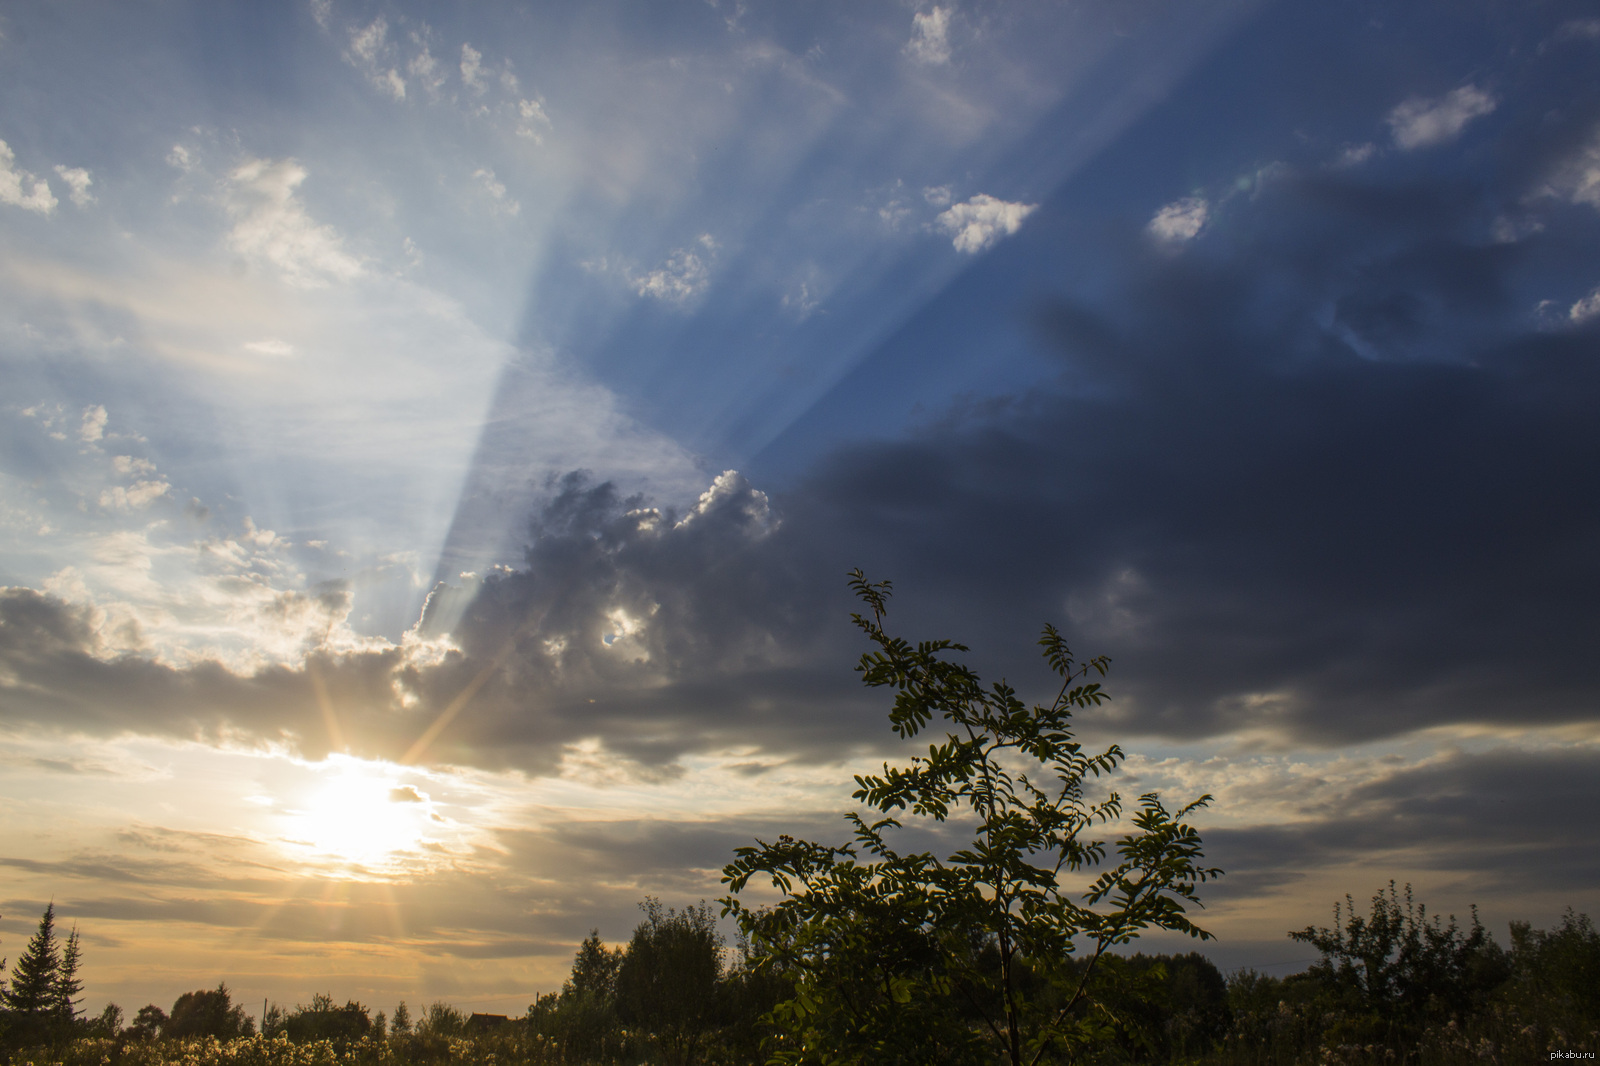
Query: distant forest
{"x": 1392, "y": 986}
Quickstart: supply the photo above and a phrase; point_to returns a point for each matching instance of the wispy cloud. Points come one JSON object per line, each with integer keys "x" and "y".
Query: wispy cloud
{"x": 1181, "y": 220}
{"x": 78, "y": 182}
{"x": 684, "y": 276}
{"x": 1577, "y": 179}
{"x": 369, "y": 51}
{"x": 1423, "y": 122}
{"x": 273, "y": 226}
{"x": 930, "y": 36}
{"x": 496, "y": 190}
{"x": 472, "y": 69}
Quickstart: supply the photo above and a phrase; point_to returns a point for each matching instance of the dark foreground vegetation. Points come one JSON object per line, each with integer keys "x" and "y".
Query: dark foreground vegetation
{"x": 1393, "y": 986}
{"x": 873, "y": 955}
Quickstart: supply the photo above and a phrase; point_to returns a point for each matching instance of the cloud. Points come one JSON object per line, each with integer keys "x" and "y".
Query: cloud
{"x": 1355, "y": 155}
{"x": 1179, "y": 221}
{"x": 930, "y": 36}
{"x": 94, "y": 423}
{"x": 1577, "y": 179}
{"x": 685, "y": 275}
{"x": 472, "y": 69}
{"x": 1579, "y": 30}
{"x": 534, "y": 120}
{"x": 273, "y": 225}
{"x": 982, "y": 221}
{"x": 424, "y": 67}
{"x": 271, "y": 347}
{"x": 625, "y": 625}
{"x": 497, "y": 192}
{"x": 15, "y": 186}
{"x": 127, "y": 464}
{"x": 1467, "y": 814}
{"x": 137, "y": 497}
{"x": 1422, "y": 123}
{"x": 78, "y": 181}
{"x": 1586, "y": 308}
{"x": 369, "y": 47}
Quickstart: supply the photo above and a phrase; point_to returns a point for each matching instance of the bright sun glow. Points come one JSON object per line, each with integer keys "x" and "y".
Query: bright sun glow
{"x": 362, "y": 813}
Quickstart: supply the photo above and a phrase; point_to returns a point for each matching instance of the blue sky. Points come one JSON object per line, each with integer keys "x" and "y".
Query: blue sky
{"x": 487, "y": 402}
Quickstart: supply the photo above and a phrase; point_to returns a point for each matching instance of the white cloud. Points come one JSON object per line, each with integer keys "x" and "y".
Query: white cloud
{"x": 20, "y": 188}
{"x": 684, "y": 276}
{"x": 140, "y": 496}
{"x": 78, "y": 181}
{"x": 1356, "y": 154}
{"x": 130, "y": 466}
{"x": 937, "y": 195}
{"x": 497, "y": 192}
{"x": 425, "y": 68}
{"x": 533, "y": 120}
{"x": 1578, "y": 179}
{"x": 366, "y": 43}
{"x": 368, "y": 48}
{"x": 179, "y": 158}
{"x": 1181, "y": 220}
{"x": 320, "y": 10}
{"x": 271, "y": 347}
{"x": 1586, "y": 308}
{"x": 981, "y": 221}
{"x": 930, "y": 36}
{"x": 94, "y": 424}
{"x": 1421, "y": 123}
{"x": 273, "y": 225}
{"x": 472, "y": 68}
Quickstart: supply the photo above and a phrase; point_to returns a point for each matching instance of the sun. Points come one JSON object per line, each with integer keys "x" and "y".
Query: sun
{"x": 361, "y": 812}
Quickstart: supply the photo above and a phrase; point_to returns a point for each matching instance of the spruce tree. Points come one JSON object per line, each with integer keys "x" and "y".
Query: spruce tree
{"x": 68, "y": 989}
{"x": 31, "y": 997}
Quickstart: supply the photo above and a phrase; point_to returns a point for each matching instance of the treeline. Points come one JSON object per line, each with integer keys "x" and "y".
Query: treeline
{"x": 1393, "y": 985}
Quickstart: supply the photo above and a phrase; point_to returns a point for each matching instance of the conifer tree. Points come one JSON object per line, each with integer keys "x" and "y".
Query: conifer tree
{"x": 66, "y": 993}
{"x": 31, "y": 997}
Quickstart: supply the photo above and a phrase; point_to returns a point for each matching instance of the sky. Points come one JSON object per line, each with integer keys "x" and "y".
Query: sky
{"x": 434, "y": 439}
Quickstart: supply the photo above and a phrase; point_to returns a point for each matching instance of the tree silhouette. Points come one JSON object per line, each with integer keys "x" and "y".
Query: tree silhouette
{"x": 909, "y": 958}
{"x": 148, "y": 1022}
{"x": 67, "y": 989}
{"x": 668, "y": 979}
{"x": 209, "y": 1012}
{"x": 31, "y": 1001}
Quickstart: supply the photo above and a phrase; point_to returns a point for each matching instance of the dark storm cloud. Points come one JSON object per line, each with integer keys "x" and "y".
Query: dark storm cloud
{"x": 1323, "y": 473}
{"x": 656, "y": 632}
{"x": 1513, "y": 822}
{"x": 53, "y": 677}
